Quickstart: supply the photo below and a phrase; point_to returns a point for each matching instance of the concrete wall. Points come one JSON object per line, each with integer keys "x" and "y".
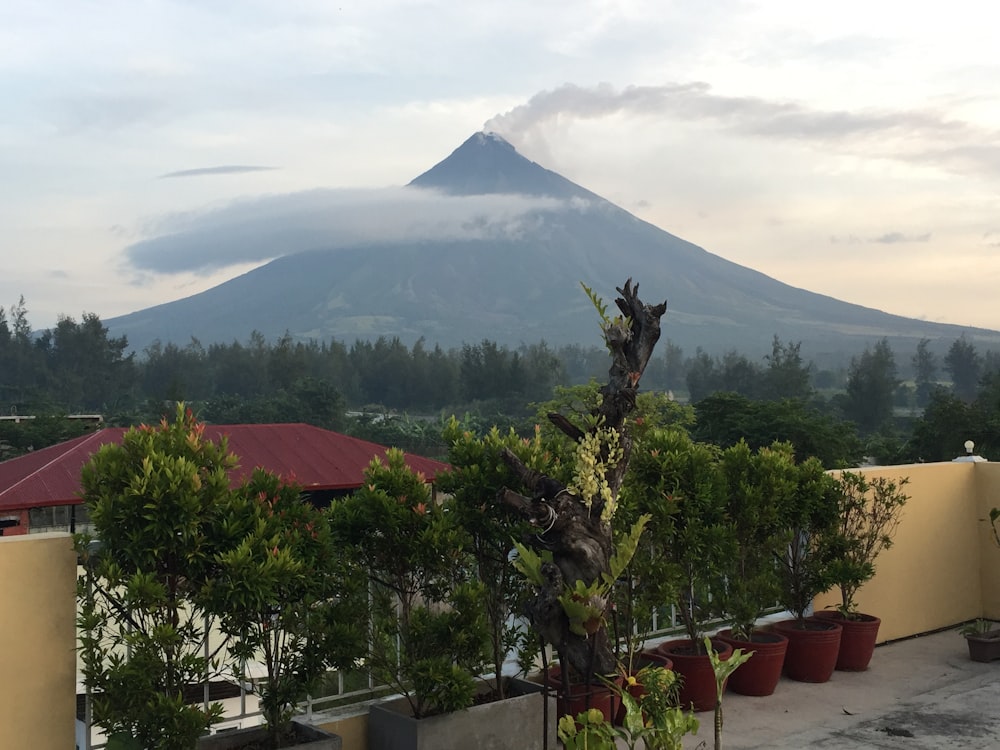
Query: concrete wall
{"x": 38, "y": 633}
{"x": 931, "y": 577}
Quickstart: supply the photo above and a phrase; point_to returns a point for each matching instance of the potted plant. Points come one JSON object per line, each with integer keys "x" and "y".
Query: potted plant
{"x": 650, "y": 581}
{"x": 476, "y": 475}
{"x": 869, "y": 510}
{"x": 980, "y": 635}
{"x": 684, "y": 477}
{"x": 758, "y": 484}
{"x": 652, "y": 716}
{"x": 723, "y": 669}
{"x": 807, "y": 516}
{"x": 983, "y": 640}
{"x": 159, "y": 505}
{"x": 288, "y": 597}
{"x": 428, "y": 630}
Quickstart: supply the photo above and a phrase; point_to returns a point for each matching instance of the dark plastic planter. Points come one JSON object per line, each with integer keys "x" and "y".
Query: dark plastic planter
{"x": 984, "y": 646}
{"x": 761, "y": 674}
{"x": 812, "y": 650}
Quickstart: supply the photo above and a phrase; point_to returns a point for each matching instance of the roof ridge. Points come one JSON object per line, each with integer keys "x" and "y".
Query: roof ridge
{"x": 83, "y": 440}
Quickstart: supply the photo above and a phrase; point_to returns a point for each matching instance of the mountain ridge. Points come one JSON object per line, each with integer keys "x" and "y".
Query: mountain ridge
{"x": 523, "y": 287}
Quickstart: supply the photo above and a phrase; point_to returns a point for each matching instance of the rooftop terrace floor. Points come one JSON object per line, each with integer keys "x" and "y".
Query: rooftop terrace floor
{"x": 922, "y": 693}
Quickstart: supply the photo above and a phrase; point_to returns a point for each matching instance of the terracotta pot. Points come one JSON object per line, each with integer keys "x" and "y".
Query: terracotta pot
{"x": 857, "y": 644}
{"x": 760, "y": 675}
{"x": 695, "y": 670}
{"x": 643, "y": 659}
{"x": 652, "y": 657}
{"x": 812, "y": 650}
{"x": 582, "y": 696}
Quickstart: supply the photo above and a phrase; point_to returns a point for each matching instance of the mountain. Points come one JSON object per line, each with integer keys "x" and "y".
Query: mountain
{"x": 520, "y": 282}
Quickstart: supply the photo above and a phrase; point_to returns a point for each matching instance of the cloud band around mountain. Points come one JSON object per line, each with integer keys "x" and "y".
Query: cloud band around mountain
{"x": 267, "y": 227}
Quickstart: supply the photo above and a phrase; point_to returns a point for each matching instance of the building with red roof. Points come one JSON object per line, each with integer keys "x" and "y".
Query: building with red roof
{"x": 325, "y": 463}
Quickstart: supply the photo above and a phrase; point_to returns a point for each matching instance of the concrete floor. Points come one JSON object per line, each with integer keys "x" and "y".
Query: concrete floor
{"x": 919, "y": 694}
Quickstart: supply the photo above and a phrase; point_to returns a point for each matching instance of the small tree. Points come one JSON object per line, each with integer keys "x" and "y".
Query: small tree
{"x": 679, "y": 482}
{"x": 723, "y": 669}
{"x": 759, "y": 484}
{"x": 287, "y": 596}
{"x": 964, "y": 365}
{"x": 868, "y": 514}
{"x": 477, "y": 474}
{"x": 925, "y": 366}
{"x": 160, "y": 503}
{"x": 428, "y": 631}
{"x": 871, "y": 383}
{"x": 807, "y": 516}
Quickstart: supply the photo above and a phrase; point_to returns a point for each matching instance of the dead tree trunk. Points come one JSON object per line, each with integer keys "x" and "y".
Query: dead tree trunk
{"x": 580, "y": 541}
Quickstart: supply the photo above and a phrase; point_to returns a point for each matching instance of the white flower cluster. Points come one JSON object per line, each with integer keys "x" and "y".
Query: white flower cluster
{"x": 590, "y": 481}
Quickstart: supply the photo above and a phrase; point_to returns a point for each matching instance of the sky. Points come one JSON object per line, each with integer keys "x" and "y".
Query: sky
{"x": 151, "y": 149}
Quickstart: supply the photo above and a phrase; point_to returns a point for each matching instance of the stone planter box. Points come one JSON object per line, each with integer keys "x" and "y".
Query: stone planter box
{"x": 310, "y": 738}
{"x": 512, "y": 724}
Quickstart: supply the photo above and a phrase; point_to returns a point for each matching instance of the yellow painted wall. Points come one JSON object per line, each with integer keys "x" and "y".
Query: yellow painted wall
{"x": 38, "y": 637}
{"x": 353, "y": 731}
{"x": 930, "y": 577}
{"x": 988, "y": 495}
{"x": 943, "y": 568}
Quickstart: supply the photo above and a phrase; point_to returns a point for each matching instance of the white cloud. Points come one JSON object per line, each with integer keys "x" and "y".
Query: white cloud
{"x": 262, "y": 228}
{"x": 758, "y": 130}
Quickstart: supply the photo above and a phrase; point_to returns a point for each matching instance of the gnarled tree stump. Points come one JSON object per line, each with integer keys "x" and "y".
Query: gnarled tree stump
{"x": 580, "y": 541}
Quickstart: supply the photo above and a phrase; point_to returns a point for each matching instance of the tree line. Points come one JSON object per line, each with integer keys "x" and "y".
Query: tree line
{"x": 915, "y": 409}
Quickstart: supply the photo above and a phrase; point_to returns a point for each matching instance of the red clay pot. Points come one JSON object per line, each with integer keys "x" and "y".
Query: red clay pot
{"x": 652, "y": 657}
{"x": 695, "y": 669}
{"x": 643, "y": 659}
{"x": 582, "y": 696}
{"x": 857, "y": 644}
{"x": 812, "y": 651}
{"x": 760, "y": 675}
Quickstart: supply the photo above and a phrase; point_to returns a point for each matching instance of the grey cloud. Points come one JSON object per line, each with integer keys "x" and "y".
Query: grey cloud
{"x": 260, "y": 229}
{"x": 224, "y": 169}
{"x": 906, "y": 135}
{"x": 889, "y": 238}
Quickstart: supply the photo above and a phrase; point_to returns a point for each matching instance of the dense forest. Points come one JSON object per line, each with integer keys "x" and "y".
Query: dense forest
{"x": 920, "y": 409}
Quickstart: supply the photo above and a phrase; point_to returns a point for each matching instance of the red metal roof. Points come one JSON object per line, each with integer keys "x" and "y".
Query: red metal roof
{"x": 316, "y": 459}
